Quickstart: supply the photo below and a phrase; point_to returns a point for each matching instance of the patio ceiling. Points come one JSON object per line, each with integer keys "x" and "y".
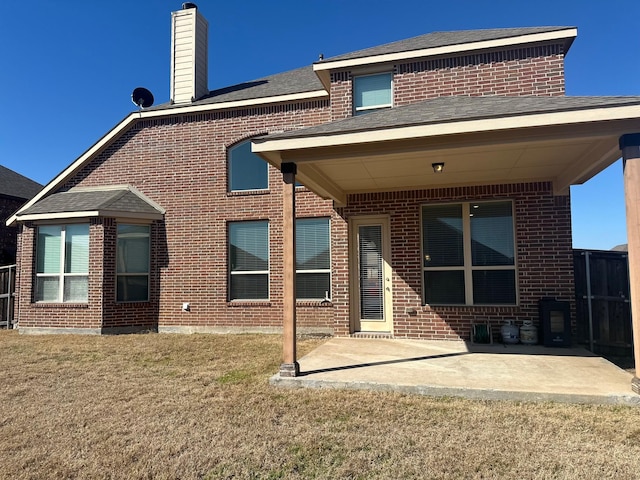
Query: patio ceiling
{"x": 489, "y": 140}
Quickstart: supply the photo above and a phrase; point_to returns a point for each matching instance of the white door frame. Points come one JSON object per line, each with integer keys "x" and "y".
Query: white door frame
{"x": 357, "y": 324}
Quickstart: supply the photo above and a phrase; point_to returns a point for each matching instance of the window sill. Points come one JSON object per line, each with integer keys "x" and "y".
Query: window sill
{"x": 462, "y": 305}
{"x": 313, "y": 303}
{"x": 244, "y": 193}
{"x": 248, "y": 303}
{"x": 59, "y": 305}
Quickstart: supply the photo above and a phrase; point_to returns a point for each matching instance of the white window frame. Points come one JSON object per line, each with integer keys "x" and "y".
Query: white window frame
{"x": 372, "y": 108}
{"x": 468, "y": 268}
{"x": 249, "y": 272}
{"x": 148, "y": 274}
{"x": 318, "y": 270}
{"x": 230, "y": 169}
{"x": 62, "y": 275}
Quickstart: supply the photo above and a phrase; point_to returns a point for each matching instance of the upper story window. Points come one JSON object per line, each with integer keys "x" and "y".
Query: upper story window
{"x": 62, "y": 263}
{"x": 247, "y": 171}
{"x": 132, "y": 259}
{"x": 468, "y": 254}
{"x": 372, "y": 92}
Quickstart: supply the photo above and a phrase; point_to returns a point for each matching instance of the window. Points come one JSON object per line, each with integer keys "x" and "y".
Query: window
{"x": 371, "y": 92}
{"x": 132, "y": 258}
{"x": 247, "y": 171}
{"x": 249, "y": 260}
{"x": 62, "y": 263}
{"x": 469, "y": 254}
{"x": 313, "y": 260}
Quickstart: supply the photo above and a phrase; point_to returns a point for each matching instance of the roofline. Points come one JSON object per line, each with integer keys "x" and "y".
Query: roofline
{"x": 134, "y": 117}
{"x": 567, "y": 33}
{"x": 511, "y": 122}
{"x": 89, "y": 214}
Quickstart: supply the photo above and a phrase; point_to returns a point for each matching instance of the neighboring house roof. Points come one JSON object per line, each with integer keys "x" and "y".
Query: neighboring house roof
{"x": 621, "y": 248}
{"x": 125, "y": 201}
{"x": 444, "y": 39}
{"x": 299, "y": 81}
{"x": 453, "y": 109}
{"x": 13, "y": 184}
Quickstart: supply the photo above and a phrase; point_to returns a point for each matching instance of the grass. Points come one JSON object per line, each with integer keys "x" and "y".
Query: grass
{"x": 200, "y": 407}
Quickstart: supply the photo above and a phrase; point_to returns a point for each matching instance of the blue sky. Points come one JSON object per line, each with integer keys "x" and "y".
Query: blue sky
{"x": 69, "y": 66}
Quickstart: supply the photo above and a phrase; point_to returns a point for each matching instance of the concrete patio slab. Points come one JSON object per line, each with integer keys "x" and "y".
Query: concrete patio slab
{"x": 442, "y": 368}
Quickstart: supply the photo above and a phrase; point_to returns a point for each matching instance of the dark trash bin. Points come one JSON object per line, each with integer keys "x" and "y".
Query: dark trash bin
{"x": 555, "y": 323}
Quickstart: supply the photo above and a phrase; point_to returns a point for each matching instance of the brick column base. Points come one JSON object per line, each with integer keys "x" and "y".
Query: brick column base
{"x": 290, "y": 369}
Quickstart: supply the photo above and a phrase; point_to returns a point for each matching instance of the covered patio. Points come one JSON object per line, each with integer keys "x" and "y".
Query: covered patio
{"x": 456, "y": 369}
{"x": 456, "y": 143}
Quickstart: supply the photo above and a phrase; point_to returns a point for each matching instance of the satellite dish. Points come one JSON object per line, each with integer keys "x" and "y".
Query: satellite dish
{"x": 142, "y": 97}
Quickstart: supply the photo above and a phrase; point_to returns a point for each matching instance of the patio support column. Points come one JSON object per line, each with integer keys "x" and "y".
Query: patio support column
{"x": 289, "y": 367}
{"x": 630, "y": 146}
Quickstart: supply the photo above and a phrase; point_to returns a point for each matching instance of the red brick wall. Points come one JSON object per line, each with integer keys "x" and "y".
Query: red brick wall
{"x": 517, "y": 72}
{"x": 180, "y": 163}
{"x": 529, "y": 71}
{"x": 543, "y": 246}
{"x": 341, "y": 95}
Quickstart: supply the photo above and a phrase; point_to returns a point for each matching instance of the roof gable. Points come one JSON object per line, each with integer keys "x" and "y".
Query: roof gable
{"x": 124, "y": 201}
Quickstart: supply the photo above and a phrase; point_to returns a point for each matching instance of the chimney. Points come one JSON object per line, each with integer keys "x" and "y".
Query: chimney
{"x": 189, "y": 41}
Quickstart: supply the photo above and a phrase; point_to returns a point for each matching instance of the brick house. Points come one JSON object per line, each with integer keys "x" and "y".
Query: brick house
{"x": 15, "y": 190}
{"x": 427, "y": 179}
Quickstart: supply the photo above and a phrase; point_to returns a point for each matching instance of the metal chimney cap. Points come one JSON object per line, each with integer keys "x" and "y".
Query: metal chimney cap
{"x": 188, "y": 5}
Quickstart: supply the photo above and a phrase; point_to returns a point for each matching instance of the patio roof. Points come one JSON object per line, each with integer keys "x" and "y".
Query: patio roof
{"x": 481, "y": 140}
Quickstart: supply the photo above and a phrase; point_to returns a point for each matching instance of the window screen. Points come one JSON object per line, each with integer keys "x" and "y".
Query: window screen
{"x": 132, "y": 260}
{"x": 249, "y": 260}
{"x": 371, "y": 92}
{"x": 62, "y": 274}
{"x": 469, "y": 254}
{"x": 313, "y": 260}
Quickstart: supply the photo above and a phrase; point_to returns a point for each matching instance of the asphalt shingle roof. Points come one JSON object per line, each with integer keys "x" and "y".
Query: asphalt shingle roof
{"x": 300, "y": 80}
{"x": 453, "y": 109}
{"x": 120, "y": 200}
{"x": 15, "y": 185}
{"x": 443, "y": 39}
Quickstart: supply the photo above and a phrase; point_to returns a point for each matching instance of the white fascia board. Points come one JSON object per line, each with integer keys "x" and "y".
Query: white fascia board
{"x": 58, "y": 216}
{"x": 135, "y": 116}
{"x": 89, "y": 214}
{"x": 573, "y": 117}
{"x": 447, "y": 50}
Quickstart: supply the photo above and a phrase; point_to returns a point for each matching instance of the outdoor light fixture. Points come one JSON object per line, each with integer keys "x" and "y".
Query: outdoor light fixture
{"x": 438, "y": 167}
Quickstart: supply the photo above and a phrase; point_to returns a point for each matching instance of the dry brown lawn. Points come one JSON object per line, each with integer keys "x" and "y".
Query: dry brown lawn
{"x": 200, "y": 406}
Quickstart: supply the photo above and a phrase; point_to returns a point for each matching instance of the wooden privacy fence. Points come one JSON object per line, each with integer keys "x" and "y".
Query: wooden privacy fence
{"x": 603, "y": 312}
{"x": 7, "y": 295}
